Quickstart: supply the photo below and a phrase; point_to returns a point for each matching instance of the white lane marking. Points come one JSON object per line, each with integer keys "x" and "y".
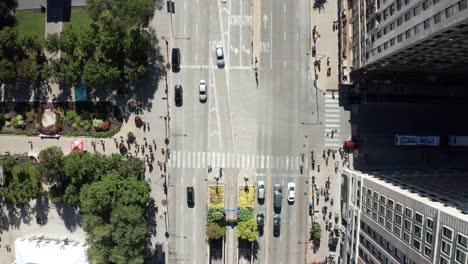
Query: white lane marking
{"x": 184, "y": 28}
{"x": 284, "y": 64}
{"x": 214, "y": 67}
{"x": 332, "y": 145}
{"x": 287, "y": 162}
{"x": 332, "y": 115}
{"x": 284, "y": 8}
{"x": 267, "y": 162}
{"x": 240, "y": 39}
{"x": 183, "y": 159}
{"x": 196, "y": 27}
{"x": 262, "y": 161}
{"x": 284, "y": 35}
{"x": 271, "y": 40}
{"x": 332, "y": 139}
{"x": 248, "y": 161}
{"x": 253, "y": 161}
{"x": 329, "y": 95}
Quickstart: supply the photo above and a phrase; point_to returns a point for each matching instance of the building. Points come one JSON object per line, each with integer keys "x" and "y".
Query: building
{"x": 404, "y": 217}
{"x": 405, "y": 35}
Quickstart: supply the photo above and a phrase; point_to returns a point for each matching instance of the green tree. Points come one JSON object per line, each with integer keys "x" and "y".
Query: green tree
{"x": 6, "y": 8}
{"x": 215, "y": 231}
{"x": 316, "y": 232}
{"x": 50, "y": 167}
{"x": 21, "y": 182}
{"x": 125, "y": 12}
{"x": 248, "y": 230}
{"x": 244, "y": 214}
{"x": 214, "y": 215}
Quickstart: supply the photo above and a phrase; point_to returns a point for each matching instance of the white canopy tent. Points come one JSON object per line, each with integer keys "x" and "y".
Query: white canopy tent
{"x": 38, "y": 250}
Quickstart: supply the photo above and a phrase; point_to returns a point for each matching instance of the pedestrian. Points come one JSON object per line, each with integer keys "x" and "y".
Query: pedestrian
{"x": 326, "y": 161}
{"x": 209, "y": 168}
{"x": 220, "y": 172}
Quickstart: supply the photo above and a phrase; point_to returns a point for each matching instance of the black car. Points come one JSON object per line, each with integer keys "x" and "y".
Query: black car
{"x": 178, "y": 94}
{"x": 276, "y": 225}
{"x": 260, "y": 220}
{"x": 190, "y": 196}
{"x": 175, "y": 60}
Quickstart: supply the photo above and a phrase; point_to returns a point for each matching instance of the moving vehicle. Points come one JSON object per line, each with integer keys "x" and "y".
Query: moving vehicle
{"x": 190, "y": 196}
{"x": 412, "y": 140}
{"x": 277, "y": 196}
{"x": 202, "y": 91}
{"x": 261, "y": 190}
{"x": 219, "y": 56}
{"x": 178, "y": 94}
{"x": 260, "y": 220}
{"x": 291, "y": 191}
{"x": 276, "y": 225}
{"x": 350, "y": 144}
{"x": 175, "y": 59}
{"x": 458, "y": 140}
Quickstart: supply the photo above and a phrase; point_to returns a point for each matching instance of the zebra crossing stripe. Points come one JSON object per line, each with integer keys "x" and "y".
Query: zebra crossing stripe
{"x": 331, "y": 101}
{"x": 332, "y": 115}
{"x": 332, "y": 125}
{"x": 332, "y": 120}
{"x": 287, "y": 163}
{"x": 268, "y": 162}
{"x": 218, "y": 160}
{"x": 332, "y": 139}
{"x": 331, "y": 105}
{"x": 332, "y": 110}
{"x": 332, "y": 145}
{"x": 254, "y": 164}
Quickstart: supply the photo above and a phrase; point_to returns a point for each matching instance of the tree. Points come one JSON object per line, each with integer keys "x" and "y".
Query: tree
{"x": 215, "y": 231}
{"x": 50, "y": 167}
{"x": 214, "y": 215}
{"x": 21, "y": 182}
{"x": 125, "y": 12}
{"x": 6, "y": 8}
{"x": 244, "y": 214}
{"x": 316, "y": 232}
{"x": 248, "y": 230}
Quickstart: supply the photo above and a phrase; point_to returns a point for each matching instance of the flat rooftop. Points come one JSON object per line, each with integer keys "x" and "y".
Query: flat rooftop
{"x": 444, "y": 189}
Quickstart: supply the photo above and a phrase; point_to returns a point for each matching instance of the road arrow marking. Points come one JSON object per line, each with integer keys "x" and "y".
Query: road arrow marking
{"x": 214, "y": 133}
{"x": 245, "y": 49}
{"x": 265, "y": 20}
{"x": 235, "y": 50}
{"x": 226, "y": 10}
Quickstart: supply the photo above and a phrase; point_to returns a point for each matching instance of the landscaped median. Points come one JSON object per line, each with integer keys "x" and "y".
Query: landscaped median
{"x": 216, "y": 221}
{"x": 247, "y": 229}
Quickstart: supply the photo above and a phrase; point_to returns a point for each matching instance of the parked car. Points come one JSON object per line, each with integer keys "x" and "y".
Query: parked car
{"x": 261, "y": 190}
{"x": 219, "y": 56}
{"x": 276, "y": 225}
{"x": 277, "y": 197}
{"x": 291, "y": 191}
{"x": 202, "y": 91}
{"x": 175, "y": 59}
{"x": 178, "y": 94}
{"x": 190, "y": 196}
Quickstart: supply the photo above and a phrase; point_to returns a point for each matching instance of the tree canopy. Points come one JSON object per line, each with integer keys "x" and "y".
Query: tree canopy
{"x": 215, "y": 231}
{"x": 6, "y": 8}
{"x": 248, "y": 230}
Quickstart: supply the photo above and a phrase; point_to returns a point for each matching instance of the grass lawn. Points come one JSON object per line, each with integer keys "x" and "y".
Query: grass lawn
{"x": 79, "y": 18}
{"x": 31, "y": 22}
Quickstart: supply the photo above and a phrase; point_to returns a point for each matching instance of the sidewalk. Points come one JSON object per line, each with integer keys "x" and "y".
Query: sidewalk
{"x": 326, "y": 46}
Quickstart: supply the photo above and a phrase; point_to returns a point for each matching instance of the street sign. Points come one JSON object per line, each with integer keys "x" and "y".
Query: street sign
{"x": 225, "y": 210}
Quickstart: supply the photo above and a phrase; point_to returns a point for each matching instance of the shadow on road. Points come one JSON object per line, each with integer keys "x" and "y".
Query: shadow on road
{"x": 69, "y": 215}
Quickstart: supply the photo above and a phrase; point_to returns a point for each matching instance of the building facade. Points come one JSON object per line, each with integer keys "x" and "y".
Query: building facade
{"x": 405, "y": 35}
{"x": 404, "y": 217}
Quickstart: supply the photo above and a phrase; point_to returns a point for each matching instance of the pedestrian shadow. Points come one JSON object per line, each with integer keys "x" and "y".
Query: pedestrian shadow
{"x": 319, "y": 4}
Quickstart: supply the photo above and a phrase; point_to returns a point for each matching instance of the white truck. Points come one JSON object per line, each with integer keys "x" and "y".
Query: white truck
{"x": 458, "y": 140}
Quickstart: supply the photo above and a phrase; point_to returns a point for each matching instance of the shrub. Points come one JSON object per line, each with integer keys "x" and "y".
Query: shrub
{"x": 246, "y": 196}
{"x": 8, "y": 123}
{"x": 2, "y": 117}
{"x": 19, "y": 117}
{"x": 217, "y": 195}
{"x": 7, "y": 117}
{"x": 244, "y": 215}
{"x": 21, "y": 124}
{"x": 77, "y": 119}
{"x": 75, "y": 126}
{"x": 82, "y": 123}
{"x": 215, "y": 231}
{"x": 30, "y": 116}
{"x": 19, "y": 132}
{"x": 87, "y": 127}
{"x": 70, "y": 117}
{"x": 105, "y": 126}
{"x": 97, "y": 124}
{"x": 14, "y": 122}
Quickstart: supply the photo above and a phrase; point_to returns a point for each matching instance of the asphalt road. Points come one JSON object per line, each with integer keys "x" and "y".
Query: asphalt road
{"x": 250, "y": 123}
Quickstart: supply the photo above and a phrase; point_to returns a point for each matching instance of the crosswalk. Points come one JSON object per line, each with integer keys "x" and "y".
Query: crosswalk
{"x": 332, "y": 120}
{"x": 198, "y": 159}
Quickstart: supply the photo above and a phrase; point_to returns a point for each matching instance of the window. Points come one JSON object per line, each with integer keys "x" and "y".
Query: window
{"x": 407, "y": 225}
{"x": 376, "y": 196}
{"x": 429, "y": 223}
{"x": 417, "y": 231}
{"x": 397, "y": 231}
{"x": 385, "y": 31}
{"x": 399, "y": 208}
{"x": 426, "y": 4}
{"x": 406, "y": 237}
{"x": 428, "y": 237}
{"x": 407, "y": 16}
{"x": 417, "y": 28}
{"x": 443, "y": 260}
{"x": 390, "y": 214}
{"x": 369, "y": 192}
{"x": 390, "y": 203}
{"x": 398, "y": 4}
{"x": 407, "y": 2}
{"x": 381, "y": 220}
{"x": 417, "y": 10}
{"x": 399, "y": 21}
{"x": 389, "y": 225}
{"x": 382, "y": 199}
{"x": 460, "y": 256}
{"x": 436, "y": 1}
{"x": 427, "y": 251}
{"x": 462, "y": 5}
{"x": 400, "y": 38}
{"x": 382, "y": 210}
{"x": 374, "y": 215}
{"x": 408, "y": 212}
{"x": 437, "y": 18}
{"x": 398, "y": 219}
{"x": 376, "y": 206}
{"x": 446, "y": 247}
{"x": 447, "y": 233}
{"x": 427, "y": 23}
{"x": 392, "y": 27}
{"x": 417, "y": 244}
{"x": 419, "y": 218}
{"x": 462, "y": 240}
{"x": 392, "y": 9}
{"x": 449, "y": 12}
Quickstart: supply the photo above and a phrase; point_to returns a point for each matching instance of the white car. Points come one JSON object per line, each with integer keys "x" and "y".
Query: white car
{"x": 202, "y": 91}
{"x": 261, "y": 190}
{"x": 219, "y": 56}
{"x": 291, "y": 191}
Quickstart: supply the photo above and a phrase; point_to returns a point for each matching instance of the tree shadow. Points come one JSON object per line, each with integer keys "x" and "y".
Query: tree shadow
{"x": 69, "y": 216}
{"x": 25, "y": 213}
{"x": 247, "y": 249}
{"x": 14, "y": 219}
{"x": 319, "y": 4}
{"x": 216, "y": 249}
{"x": 41, "y": 210}
{"x": 151, "y": 212}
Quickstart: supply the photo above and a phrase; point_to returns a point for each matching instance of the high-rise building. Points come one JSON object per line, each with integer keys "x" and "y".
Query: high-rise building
{"x": 405, "y": 35}
{"x": 404, "y": 217}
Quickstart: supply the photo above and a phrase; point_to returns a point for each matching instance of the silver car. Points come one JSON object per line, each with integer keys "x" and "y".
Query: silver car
{"x": 202, "y": 91}
{"x": 261, "y": 190}
{"x": 219, "y": 56}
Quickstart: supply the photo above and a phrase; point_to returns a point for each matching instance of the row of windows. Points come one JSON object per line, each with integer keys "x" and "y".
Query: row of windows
{"x": 426, "y": 24}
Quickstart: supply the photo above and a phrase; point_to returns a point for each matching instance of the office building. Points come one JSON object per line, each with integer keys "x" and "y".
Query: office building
{"x": 404, "y": 217}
